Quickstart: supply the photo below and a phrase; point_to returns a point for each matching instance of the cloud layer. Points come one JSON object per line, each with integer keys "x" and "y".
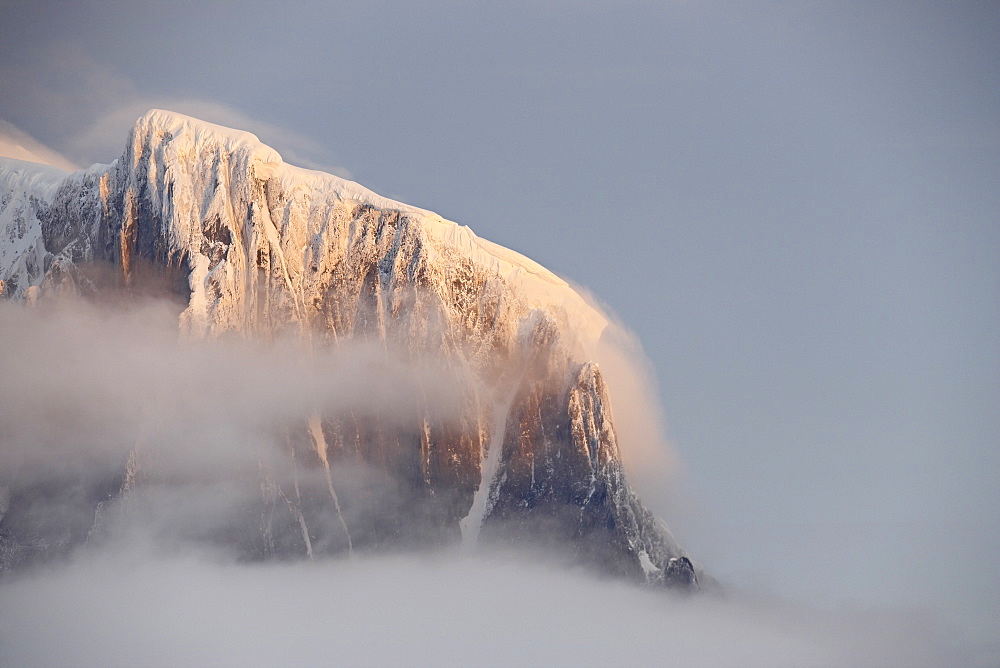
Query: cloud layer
{"x": 84, "y": 383}
{"x": 418, "y": 610}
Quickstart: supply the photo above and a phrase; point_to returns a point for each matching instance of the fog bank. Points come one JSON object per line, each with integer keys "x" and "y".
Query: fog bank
{"x": 141, "y": 608}
{"x": 84, "y": 384}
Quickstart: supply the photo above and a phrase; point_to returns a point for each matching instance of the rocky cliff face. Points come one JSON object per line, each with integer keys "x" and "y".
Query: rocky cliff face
{"x": 260, "y": 250}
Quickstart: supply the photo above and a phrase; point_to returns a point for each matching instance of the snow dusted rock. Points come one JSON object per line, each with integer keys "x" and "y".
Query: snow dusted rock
{"x": 259, "y": 249}
{"x": 25, "y": 190}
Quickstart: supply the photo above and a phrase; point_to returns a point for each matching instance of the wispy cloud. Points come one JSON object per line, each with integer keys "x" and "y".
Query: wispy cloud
{"x": 84, "y": 109}
{"x": 15, "y": 143}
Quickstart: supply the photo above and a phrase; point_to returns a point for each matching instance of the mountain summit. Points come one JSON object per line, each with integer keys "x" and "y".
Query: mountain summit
{"x": 524, "y": 451}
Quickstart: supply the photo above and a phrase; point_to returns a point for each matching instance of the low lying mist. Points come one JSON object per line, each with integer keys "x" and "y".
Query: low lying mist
{"x": 95, "y": 395}
{"x": 83, "y": 385}
{"x": 195, "y": 608}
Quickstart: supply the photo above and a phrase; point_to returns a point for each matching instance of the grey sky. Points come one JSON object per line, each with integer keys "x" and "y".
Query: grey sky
{"x": 795, "y": 206}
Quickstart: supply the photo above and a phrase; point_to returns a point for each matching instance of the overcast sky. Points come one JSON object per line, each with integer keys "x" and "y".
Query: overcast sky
{"x": 794, "y": 205}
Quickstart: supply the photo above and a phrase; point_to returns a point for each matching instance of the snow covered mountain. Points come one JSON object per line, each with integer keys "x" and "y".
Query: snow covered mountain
{"x": 258, "y": 249}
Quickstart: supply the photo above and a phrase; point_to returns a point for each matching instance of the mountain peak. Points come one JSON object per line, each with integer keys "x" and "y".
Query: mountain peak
{"x": 524, "y": 448}
{"x": 174, "y": 140}
{"x": 177, "y": 124}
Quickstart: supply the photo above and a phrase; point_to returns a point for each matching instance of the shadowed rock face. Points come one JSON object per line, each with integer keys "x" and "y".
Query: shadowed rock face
{"x": 253, "y": 248}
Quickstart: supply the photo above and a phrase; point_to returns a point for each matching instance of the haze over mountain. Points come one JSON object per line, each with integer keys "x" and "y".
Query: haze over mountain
{"x": 213, "y": 356}
{"x": 793, "y": 205}
{"x": 447, "y": 391}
